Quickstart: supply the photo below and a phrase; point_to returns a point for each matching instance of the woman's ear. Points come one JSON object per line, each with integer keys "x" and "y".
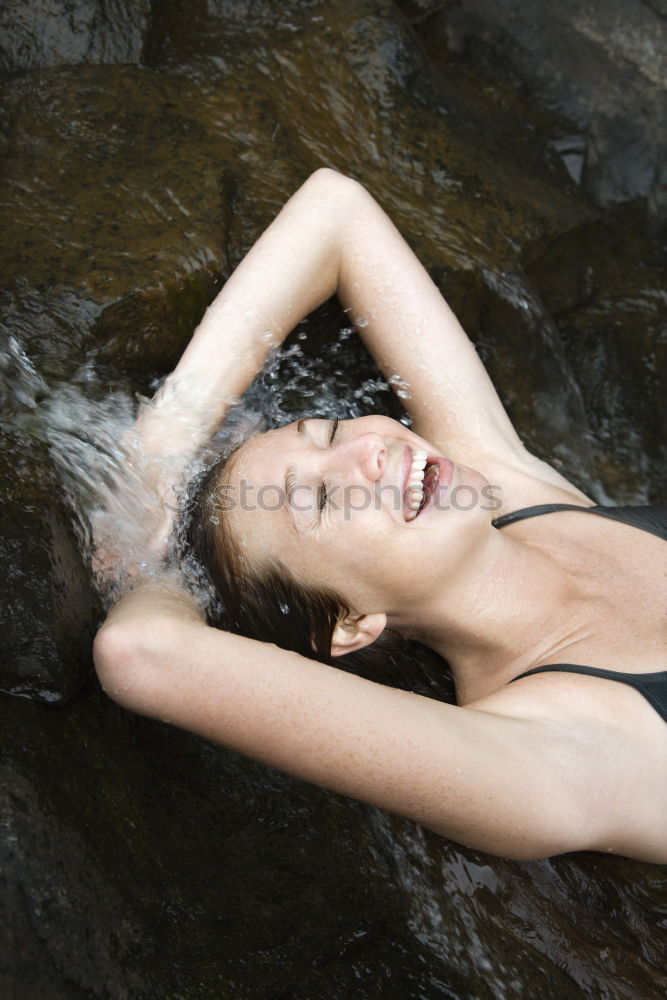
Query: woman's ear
{"x": 356, "y": 631}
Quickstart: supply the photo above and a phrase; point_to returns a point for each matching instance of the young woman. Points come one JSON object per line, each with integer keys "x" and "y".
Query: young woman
{"x": 352, "y": 527}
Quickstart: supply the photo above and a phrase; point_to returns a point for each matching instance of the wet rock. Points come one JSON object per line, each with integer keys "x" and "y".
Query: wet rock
{"x": 48, "y": 612}
{"x": 38, "y": 33}
{"x": 512, "y": 897}
{"x": 261, "y": 887}
{"x": 111, "y": 232}
{"x": 613, "y": 323}
{"x": 602, "y": 67}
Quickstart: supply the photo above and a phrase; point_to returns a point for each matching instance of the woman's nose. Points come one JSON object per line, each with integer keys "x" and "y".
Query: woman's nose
{"x": 365, "y": 453}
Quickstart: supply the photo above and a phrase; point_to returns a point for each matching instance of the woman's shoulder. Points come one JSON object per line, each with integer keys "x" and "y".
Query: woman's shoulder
{"x": 521, "y": 479}
{"x": 614, "y": 749}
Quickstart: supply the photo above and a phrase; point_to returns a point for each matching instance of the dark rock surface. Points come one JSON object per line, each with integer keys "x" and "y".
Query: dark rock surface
{"x": 137, "y": 860}
{"x": 48, "y": 609}
{"x": 613, "y": 323}
{"x": 602, "y": 67}
{"x": 100, "y": 169}
{"x": 39, "y": 33}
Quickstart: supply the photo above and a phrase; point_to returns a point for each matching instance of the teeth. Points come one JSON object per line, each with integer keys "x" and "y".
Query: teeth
{"x": 414, "y": 488}
{"x": 415, "y": 498}
{"x": 417, "y": 469}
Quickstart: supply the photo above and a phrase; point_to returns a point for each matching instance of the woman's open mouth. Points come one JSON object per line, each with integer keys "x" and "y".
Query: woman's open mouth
{"x": 421, "y": 482}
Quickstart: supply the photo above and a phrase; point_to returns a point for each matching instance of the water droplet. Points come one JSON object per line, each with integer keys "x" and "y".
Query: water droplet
{"x": 267, "y": 337}
{"x": 360, "y": 322}
{"x": 285, "y": 608}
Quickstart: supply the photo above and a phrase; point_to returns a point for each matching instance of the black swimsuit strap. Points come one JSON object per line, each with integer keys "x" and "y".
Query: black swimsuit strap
{"x": 653, "y": 686}
{"x": 650, "y": 518}
{"x": 540, "y": 508}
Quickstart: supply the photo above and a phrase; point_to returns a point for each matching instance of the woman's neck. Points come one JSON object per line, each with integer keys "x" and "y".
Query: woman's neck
{"x": 490, "y": 624}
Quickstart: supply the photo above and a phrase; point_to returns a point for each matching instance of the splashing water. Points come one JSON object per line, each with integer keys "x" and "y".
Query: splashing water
{"x": 294, "y": 383}
{"x": 83, "y": 428}
{"x": 86, "y": 424}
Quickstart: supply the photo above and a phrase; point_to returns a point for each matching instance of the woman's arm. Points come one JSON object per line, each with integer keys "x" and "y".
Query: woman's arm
{"x": 292, "y": 269}
{"x": 332, "y": 237}
{"x": 501, "y": 784}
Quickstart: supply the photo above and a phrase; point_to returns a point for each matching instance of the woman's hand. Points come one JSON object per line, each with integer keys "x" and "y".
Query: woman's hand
{"x": 131, "y": 534}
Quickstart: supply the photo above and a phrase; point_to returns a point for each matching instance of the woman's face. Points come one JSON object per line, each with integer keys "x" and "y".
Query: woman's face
{"x": 365, "y": 507}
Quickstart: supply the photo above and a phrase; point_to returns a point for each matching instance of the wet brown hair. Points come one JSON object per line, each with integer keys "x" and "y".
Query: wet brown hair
{"x": 263, "y": 602}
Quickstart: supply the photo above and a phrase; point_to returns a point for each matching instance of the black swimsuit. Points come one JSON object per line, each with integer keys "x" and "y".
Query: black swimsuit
{"x": 652, "y": 519}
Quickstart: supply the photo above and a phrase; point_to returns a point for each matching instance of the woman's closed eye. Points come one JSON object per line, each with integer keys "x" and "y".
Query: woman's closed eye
{"x": 322, "y": 492}
{"x": 334, "y": 428}
{"x": 322, "y": 497}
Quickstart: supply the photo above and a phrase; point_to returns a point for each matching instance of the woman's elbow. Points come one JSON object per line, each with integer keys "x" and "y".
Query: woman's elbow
{"x": 122, "y": 657}
{"x": 333, "y": 183}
